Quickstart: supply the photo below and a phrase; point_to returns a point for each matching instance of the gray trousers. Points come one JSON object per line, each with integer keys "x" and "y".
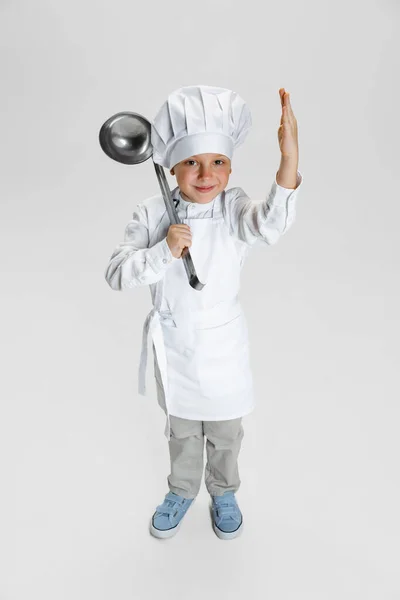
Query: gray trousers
{"x": 186, "y": 448}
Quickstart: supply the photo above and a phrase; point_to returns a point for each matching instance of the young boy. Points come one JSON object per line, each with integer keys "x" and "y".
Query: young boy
{"x": 200, "y": 338}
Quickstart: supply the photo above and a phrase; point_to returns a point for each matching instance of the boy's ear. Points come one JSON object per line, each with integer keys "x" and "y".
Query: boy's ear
{"x": 172, "y": 171}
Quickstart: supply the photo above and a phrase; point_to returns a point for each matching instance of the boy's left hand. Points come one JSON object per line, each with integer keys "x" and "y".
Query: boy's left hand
{"x": 287, "y": 132}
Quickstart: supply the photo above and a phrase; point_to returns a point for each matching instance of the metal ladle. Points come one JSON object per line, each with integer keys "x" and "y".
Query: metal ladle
{"x": 126, "y": 138}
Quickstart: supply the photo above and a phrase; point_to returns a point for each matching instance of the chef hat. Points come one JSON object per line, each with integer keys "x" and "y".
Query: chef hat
{"x": 199, "y": 119}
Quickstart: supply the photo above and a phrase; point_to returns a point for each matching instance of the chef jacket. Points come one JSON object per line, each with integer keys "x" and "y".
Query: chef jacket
{"x": 144, "y": 255}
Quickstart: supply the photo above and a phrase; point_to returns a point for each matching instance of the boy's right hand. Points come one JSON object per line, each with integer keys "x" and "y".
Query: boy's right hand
{"x": 179, "y": 239}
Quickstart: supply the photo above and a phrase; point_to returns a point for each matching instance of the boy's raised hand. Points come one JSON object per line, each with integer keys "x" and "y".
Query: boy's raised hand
{"x": 287, "y": 132}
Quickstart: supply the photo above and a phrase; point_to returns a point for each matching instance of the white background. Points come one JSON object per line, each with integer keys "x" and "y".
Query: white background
{"x": 83, "y": 457}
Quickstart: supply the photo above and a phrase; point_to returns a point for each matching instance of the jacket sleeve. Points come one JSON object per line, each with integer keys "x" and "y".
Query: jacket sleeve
{"x": 268, "y": 220}
{"x": 133, "y": 263}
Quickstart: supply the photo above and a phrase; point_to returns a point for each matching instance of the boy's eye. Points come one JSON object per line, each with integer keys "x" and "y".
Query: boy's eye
{"x": 193, "y": 161}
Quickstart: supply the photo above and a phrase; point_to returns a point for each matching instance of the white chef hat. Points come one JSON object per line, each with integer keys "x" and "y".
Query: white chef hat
{"x": 199, "y": 119}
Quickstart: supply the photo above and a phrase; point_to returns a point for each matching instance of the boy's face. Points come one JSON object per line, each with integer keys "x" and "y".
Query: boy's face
{"x": 202, "y": 171}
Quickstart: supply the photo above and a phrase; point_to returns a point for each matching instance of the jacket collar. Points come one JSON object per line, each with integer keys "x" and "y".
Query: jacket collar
{"x": 177, "y": 197}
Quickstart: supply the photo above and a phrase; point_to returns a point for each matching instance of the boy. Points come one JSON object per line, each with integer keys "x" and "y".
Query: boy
{"x": 200, "y": 338}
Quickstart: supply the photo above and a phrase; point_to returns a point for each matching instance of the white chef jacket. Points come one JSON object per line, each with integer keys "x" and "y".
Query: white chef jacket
{"x": 144, "y": 255}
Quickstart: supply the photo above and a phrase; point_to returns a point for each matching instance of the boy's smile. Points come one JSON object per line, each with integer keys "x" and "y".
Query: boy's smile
{"x": 202, "y": 177}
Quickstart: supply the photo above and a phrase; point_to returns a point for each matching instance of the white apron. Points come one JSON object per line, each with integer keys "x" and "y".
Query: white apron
{"x": 201, "y": 339}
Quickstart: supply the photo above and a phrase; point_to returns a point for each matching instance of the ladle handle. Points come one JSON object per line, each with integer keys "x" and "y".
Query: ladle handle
{"x": 174, "y": 219}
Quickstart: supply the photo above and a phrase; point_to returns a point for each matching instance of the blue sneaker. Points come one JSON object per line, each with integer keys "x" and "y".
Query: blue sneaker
{"x": 168, "y": 516}
{"x": 226, "y": 516}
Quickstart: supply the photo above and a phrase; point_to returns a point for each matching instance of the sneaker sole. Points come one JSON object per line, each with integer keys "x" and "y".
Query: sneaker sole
{"x": 228, "y": 535}
{"x": 163, "y": 534}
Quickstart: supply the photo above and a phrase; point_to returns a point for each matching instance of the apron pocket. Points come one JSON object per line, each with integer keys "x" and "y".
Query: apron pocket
{"x": 181, "y": 364}
{"x": 222, "y": 358}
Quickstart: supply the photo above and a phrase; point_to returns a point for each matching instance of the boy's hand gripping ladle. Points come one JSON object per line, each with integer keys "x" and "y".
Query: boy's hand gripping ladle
{"x": 126, "y": 138}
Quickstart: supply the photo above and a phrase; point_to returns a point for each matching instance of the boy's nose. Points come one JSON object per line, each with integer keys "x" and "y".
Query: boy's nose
{"x": 205, "y": 172}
